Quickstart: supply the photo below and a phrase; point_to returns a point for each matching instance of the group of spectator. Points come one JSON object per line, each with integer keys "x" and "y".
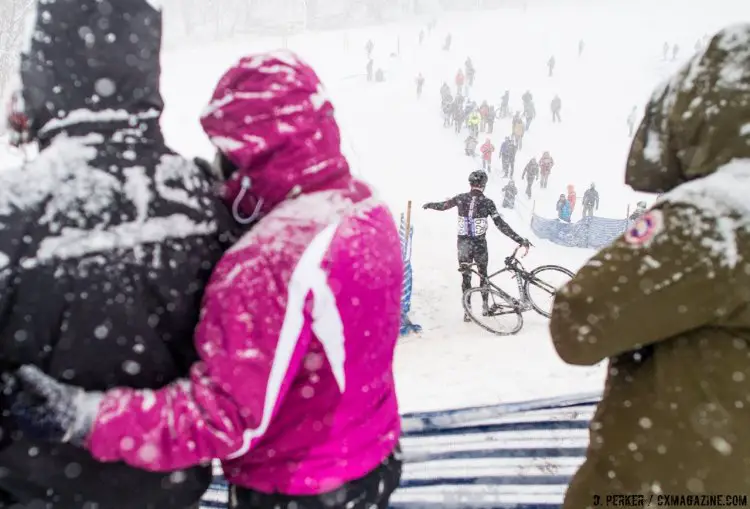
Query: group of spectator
{"x": 567, "y": 202}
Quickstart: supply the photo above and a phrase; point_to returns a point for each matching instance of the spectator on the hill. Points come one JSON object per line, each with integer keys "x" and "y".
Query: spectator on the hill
{"x": 509, "y": 194}
{"x": 572, "y": 197}
{"x": 590, "y": 201}
{"x": 563, "y": 209}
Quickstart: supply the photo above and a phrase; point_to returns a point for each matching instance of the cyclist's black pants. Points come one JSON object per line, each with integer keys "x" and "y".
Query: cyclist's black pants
{"x": 473, "y": 250}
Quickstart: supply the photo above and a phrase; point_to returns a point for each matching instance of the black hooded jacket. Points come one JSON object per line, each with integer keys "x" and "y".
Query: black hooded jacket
{"x": 591, "y": 198}
{"x": 107, "y": 239}
{"x": 473, "y": 210}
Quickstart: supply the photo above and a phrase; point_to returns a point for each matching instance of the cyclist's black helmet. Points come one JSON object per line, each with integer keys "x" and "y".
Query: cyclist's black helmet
{"x": 478, "y": 179}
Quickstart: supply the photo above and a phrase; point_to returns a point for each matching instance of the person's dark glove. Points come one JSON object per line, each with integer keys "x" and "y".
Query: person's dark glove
{"x": 49, "y": 410}
{"x": 426, "y": 206}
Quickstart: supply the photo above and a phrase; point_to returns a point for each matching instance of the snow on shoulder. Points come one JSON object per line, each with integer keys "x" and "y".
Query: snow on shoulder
{"x": 80, "y": 116}
{"x": 65, "y": 158}
{"x": 723, "y": 198}
{"x": 78, "y": 204}
{"x": 733, "y": 47}
{"x": 735, "y": 41}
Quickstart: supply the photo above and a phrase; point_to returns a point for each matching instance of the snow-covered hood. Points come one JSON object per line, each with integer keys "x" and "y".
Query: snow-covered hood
{"x": 271, "y": 117}
{"x": 85, "y": 63}
{"x": 698, "y": 120}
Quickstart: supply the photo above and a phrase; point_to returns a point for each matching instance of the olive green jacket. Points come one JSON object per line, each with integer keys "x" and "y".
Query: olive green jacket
{"x": 668, "y": 303}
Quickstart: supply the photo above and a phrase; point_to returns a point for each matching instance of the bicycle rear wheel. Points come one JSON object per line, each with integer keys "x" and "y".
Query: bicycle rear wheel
{"x": 542, "y": 284}
{"x": 504, "y": 317}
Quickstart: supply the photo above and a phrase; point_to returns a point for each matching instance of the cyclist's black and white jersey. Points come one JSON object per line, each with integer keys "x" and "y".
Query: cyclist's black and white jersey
{"x": 473, "y": 210}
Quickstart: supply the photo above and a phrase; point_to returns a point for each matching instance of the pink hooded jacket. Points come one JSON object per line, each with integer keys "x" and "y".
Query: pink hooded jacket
{"x": 487, "y": 149}
{"x": 294, "y": 391}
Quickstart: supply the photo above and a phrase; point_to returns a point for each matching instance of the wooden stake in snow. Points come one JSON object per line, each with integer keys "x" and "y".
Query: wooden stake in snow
{"x": 627, "y": 218}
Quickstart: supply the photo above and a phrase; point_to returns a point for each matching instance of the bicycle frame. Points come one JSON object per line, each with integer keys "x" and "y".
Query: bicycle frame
{"x": 512, "y": 264}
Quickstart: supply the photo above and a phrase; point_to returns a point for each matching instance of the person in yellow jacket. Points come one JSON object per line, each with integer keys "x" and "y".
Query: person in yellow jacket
{"x": 473, "y": 122}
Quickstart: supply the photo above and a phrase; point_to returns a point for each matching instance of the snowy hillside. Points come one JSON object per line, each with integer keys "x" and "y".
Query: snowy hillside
{"x": 398, "y": 144}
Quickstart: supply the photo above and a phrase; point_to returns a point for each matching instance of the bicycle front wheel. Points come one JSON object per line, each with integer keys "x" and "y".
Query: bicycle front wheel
{"x": 501, "y": 316}
{"x": 542, "y": 284}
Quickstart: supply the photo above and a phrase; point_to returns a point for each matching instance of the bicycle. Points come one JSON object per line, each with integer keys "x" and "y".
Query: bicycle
{"x": 504, "y": 304}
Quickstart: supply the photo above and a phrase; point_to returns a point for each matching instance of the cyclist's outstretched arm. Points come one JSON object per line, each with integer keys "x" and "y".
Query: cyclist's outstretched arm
{"x": 505, "y": 227}
{"x": 442, "y": 205}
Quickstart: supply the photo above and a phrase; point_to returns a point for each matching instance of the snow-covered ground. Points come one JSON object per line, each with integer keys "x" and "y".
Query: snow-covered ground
{"x": 399, "y": 145}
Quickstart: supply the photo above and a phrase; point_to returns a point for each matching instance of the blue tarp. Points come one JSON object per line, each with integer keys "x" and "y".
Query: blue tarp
{"x": 516, "y": 455}
{"x": 406, "y": 325}
{"x": 589, "y": 232}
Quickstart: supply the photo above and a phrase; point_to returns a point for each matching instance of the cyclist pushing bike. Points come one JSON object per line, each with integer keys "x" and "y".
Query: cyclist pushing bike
{"x": 473, "y": 210}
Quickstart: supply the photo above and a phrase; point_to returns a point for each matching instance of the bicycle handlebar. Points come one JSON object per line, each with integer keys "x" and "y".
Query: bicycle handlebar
{"x": 518, "y": 248}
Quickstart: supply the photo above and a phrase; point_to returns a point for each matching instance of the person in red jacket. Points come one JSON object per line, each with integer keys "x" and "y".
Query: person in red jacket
{"x": 487, "y": 149}
{"x": 572, "y": 197}
{"x": 545, "y": 165}
{"x": 460, "y": 79}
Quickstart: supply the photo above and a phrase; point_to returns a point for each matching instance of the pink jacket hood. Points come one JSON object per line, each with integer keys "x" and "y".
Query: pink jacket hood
{"x": 270, "y": 116}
